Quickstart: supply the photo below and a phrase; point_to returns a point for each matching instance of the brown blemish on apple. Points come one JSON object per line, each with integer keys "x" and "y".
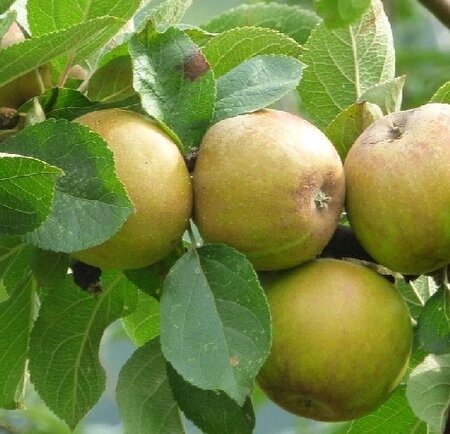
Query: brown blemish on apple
{"x": 195, "y": 65}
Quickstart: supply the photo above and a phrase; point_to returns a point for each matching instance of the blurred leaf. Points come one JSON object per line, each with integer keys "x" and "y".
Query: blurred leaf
{"x": 6, "y": 21}
{"x": 5, "y": 5}
{"x": 428, "y": 391}
{"x": 175, "y": 83}
{"x": 255, "y": 84}
{"x": 19, "y": 59}
{"x": 388, "y": 96}
{"x": 344, "y": 63}
{"x": 64, "y": 364}
{"x": 290, "y": 20}
{"x": 143, "y": 324}
{"x": 393, "y": 417}
{"x": 350, "y": 123}
{"x": 113, "y": 81}
{"x": 145, "y": 400}
{"x": 90, "y": 203}
{"x": 27, "y": 188}
{"x": 220, "y": 415}
{"x": 434, "y": 323}
{"x": 49, "y": 268}
{"x": 16, "y": 319}
{"x": 339, "y": 13}
{"x": 228, "y": 50}
{"x": 212, "y": 299}
{"x": 442, "y": 95}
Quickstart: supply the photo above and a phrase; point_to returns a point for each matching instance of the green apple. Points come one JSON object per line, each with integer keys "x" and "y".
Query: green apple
{"x": 155, "y": 176}
{"x": 27, "y": 86}
{"x": 342, "y": 338}
{"x": 398, "y": 189}
{"x": 269, "y": 184}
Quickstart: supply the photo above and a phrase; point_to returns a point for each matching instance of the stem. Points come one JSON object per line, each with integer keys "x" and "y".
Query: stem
{"x": 440, "y": 9}
{"x": 65, "y": 74}
{"x": 38, "y": 76}
{"x": 445, "y": 278}
{"x": 192, "y": 237}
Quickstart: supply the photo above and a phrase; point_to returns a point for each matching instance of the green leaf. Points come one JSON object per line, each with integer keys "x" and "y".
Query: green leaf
{"x": 113, "y": 81}
{"x": 231, "y": 48}
{"x": 293, "y": 21}
{"x": 350, "y": 123}
{"x": 412, "y": 298}
{"x": 60, "y": 103}
{"x": 393, "y": 417}
{"x": 176, "y": 85}
{"x": 145, "y": 400}
{"x": 254, "y": 84}
{"x": 220, "y": 415}
{"x": 428, "y": 391}
{"x": 16, "y": 319}
{"x": 64, "y": 364}
{"x": 344, "y": 63}
{"x": 434, "y": 323}
{"x": 19, "y": 59}
{"x": 143, "y": 324}
{"x": 388, "y": 95}
{"x": 84, "y": 213}
{"x": 150, "y": 279}
{"x": 15, "y": 258}
{"x": 49, "y": 268}
{"x": 5, "y": 5}
{"x": 341, "y": 12}
{"x": 27, "y": 188}
{"x": 213, "y": 301}
{"x": 168, "y": 13}
{"x": 442, "y": 94}
{"x": 65, "y": 14}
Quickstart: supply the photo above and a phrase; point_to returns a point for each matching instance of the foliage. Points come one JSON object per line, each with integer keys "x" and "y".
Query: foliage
{"x": 199, "y": 318}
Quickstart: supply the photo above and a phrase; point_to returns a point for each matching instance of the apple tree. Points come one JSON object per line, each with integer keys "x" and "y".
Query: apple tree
{"x": 150, "y": 183}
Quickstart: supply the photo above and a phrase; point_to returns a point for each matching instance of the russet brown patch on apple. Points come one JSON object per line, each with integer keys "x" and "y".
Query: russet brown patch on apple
{"x": 195, "y": 66}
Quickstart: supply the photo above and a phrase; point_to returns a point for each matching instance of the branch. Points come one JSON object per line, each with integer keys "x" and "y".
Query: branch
{"x": 440, "y": 9}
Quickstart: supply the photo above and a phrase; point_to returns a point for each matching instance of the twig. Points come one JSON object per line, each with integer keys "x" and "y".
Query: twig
{"x": 440, "y": 9}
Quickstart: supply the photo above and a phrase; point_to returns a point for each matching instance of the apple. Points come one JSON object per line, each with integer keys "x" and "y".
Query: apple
{"x": 398, "y": 189}
{"x": 27, "y": 86}
{"x": 269, "y": 184}
{"x": 342, "y": 338}
{"x": 155, "y": 176}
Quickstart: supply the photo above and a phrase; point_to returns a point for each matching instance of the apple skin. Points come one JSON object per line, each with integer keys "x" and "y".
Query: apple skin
{"x": 25, "y": 87}
{"x": 342, "y": 338}
{"x": 398, "y": 189}
{"x": 155, "y": 176}
{"x": 269, "y": 184}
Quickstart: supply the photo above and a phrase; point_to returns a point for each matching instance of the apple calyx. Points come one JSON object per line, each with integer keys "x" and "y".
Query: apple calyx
{"x": 322, "y": 200}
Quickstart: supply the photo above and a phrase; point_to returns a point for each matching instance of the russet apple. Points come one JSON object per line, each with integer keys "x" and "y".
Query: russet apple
{"x": 269, "y": 184}
{"x": 342, "y": 338}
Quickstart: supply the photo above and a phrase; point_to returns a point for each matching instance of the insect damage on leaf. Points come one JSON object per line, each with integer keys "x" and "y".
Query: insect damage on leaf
{"x": 195, "y": 65}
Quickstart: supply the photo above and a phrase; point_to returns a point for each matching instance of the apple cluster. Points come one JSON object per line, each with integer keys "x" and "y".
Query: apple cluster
{"x": 271, "y": 185}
